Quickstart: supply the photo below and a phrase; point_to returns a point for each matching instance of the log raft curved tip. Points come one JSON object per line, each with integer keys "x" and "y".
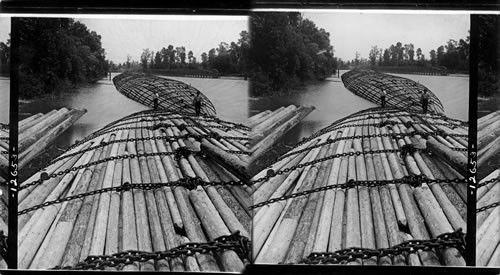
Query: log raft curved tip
{"x": 174, "y": 96}
{"x": 401, "y": 92}
{"x": 370, "y": 217}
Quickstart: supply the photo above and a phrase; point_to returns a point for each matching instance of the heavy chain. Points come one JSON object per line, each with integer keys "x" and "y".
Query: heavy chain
{"x": 382, "y": 124}
{"x": 454, "y": 239}
{"x": 484, "y": 183}
{"x": 484, "y": 208}
{"x": 190, "y": 183}
{"x": 3, "y": 245}
{"x": 44, "y": 176}
{"x": 392, "y": 135}
{"x": 413, "y": 180}
{"x": 4, "y": 126}
{"x": 165, "y": 138}
{"x": 4, "y": 152}
{"x": 4, "y": 138}
{"x": 236, "y": 242}
{"x": 271, "y": 173}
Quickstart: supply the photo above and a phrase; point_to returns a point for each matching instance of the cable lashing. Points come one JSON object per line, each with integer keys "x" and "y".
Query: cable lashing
{"x": 454, "y": 239}
{"x": 236, "y": 242}
{"x": 166, "y": 138}
{"x": 330, "y": 141}
{"x": 412, "y": 180}
{"x": 190, "y": 183}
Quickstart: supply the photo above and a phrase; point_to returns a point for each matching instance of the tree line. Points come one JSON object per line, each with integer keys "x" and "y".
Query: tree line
{"x": 226, "y": 59}
{"x": 452, "y": 57}
{"x": 5, "y": 57}
{"x": 56, "y": 54}
{"x": 287, "y": 51}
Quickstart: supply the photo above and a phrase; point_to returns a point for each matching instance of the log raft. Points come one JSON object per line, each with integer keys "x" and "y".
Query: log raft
{"x": 488, "y": 222}
{"x": 289, "y": 230}
{"x": 173, "y": 95}
{"x": 38, "y": 131}
{"x": 401, "y": 92}
{"x": 145, "y": 147}
{"x": 268, "y": 127}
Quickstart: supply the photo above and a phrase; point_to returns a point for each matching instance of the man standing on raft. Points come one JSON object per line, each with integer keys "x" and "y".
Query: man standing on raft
{"x": 197, "y": 103}
{"x": 425, "y": 101}
{"x": 382, "y": 98}
{"x": 155, "y": 101}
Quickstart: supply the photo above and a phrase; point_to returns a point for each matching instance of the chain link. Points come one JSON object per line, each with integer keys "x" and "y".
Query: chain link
{"x": 190, "y": 183}
{"x": 3, "y": 245}
{"x": 413, "y": 180}
{"x": 165, "y": 138}
{"x": 484, "y": 183}
{"x": 236, "y": 242}
{"x": 454, "y": 239}
{"x": 181, "y": 151}
{"x": 484, "y": 208}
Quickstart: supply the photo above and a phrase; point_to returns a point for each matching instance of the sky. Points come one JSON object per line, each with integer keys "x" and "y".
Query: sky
{"x": 121, "y": 37}
{"x": 4, "y": 28}
{"x": 351, "y": 32}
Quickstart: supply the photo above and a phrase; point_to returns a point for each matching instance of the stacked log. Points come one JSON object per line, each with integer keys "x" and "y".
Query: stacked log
{"x": 4, "y": 151}
{"x": 174, "y": 96}
{"x": 269, "y": 126}
{"x": 148, "y": 220}
{"x": 488, "y": 223}
{"x": 401, "y": 92}
{"x": 488, "y": 144}
{"x": 38, "y": 131}
{"x": 287, "y": 231}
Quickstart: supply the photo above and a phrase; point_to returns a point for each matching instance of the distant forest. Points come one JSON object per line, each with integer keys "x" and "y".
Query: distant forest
{"x": 5, "y": 57}
{"x": 287, "y": 51}
{"x": 56, "y": 54}
{"x": 227, "y": 59}
{"x": 452, "y": 57}
{"x": 489, "y": 55}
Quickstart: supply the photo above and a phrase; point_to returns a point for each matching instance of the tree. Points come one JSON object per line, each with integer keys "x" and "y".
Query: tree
{"x": 145, "y": 56}
{"x": 158, "y": 60}
{"x": 433, "y": 56}
{"x": 190, "y": 57}
{"x": 129, "y": 58}
{"x": 419, "y": 54}
{"x": 204, "y": 60}
{"x": 439, "y": 55}
{"x": 374, "y": 53}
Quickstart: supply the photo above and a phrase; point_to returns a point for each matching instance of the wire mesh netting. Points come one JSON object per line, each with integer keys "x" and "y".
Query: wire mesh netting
{"x": 174, "y": 96}
{"x": 401, "y": 92}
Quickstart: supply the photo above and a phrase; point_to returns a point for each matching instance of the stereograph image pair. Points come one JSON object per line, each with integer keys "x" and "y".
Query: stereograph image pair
{"x": 207, "y": 143}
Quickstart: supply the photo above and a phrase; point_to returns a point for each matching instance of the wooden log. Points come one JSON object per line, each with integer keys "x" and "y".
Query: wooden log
{"x": 41, "y": 143}
{"x": 453, "y": 158}
{"x": 53, "y": 254}
{"x": 305, "y": 234}
{"x": 34, "y": 232}
{"x": 29, "y": 124}
{"x": 488, "y": 158}
{"x": 486, "y": 245}
{"x": 491, "y": 197}
{"x": 327, "y": 214}
{"x": 495, "y": 258}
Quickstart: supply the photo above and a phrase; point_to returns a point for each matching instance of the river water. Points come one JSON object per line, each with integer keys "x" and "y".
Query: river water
{"x": 333, "y": 101}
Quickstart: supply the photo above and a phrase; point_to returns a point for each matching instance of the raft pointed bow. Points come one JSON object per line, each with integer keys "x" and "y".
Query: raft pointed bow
{"x": 401, "y": 92}
{"x": 378, "y": 144}
{"x": 174, "y": 96}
